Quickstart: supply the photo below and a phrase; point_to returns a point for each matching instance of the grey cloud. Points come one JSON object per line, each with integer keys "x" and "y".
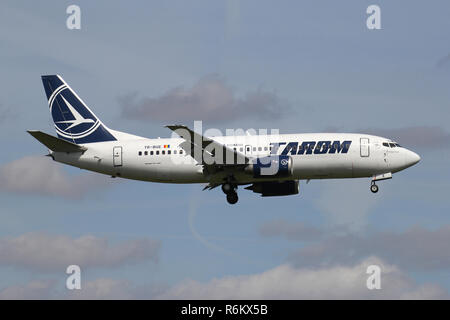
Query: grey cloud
{"x": 210, "y": 99}
{"x": 42, "y": 176}
{"x": 6, "y": 113}
{"x": 45, "y": 252}
{"x": 429, "y": 137}
{"x": 443, "y": 61}
{"x": 33, "y": 290}
{"x": 416, "y": 249}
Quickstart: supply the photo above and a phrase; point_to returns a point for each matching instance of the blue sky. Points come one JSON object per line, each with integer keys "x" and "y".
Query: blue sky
{"x": 314, "y": 64}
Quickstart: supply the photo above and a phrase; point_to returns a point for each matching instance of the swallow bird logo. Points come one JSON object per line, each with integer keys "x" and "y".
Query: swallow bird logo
{"x": 78, "y": 117}
{"x": 72, "y": 118}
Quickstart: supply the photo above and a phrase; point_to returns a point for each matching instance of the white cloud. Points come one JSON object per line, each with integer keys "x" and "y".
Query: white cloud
{"x": 104, "y": 288}
{"x": 44, "y": 252}
{"x": 97, "y": 289}
{"x": 287, "y": 282}
{"x": 118, "y": 289}
{"x": 41, "y": 175}
{"x": 282, "y": 282}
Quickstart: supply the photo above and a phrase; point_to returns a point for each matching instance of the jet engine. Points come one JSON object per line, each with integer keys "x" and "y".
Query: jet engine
{"x": 275, "y": 188}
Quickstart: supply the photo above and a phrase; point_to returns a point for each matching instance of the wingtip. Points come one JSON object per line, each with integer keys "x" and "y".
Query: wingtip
{"x": 176, "y": 126}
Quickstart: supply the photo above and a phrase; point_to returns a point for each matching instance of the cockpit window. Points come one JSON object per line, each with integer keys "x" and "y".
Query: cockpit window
{"x": 391, "y": 144}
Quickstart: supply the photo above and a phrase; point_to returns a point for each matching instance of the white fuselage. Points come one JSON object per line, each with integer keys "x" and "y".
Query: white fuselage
{"x": 137, "y": 158}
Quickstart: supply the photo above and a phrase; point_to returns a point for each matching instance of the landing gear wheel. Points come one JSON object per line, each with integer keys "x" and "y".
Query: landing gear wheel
{"x": 374, "y": 188}
{"x": 227, "y": 188}
{"x": 232, "y": 198}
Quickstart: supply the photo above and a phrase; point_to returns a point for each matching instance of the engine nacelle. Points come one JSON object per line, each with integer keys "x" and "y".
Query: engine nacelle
{"x": 271, "y": 166}
{"x": 275, "y": 188}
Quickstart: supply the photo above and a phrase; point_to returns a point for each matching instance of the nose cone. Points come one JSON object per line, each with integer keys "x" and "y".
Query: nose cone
{"x": 411, "y": 158}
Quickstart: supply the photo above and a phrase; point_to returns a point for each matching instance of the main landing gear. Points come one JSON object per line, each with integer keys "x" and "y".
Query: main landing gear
{"x": 230, "y": 190}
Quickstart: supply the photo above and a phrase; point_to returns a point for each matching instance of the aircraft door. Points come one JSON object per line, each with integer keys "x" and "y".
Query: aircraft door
{"x": 248, "y": 149}
{"x": 364, "y": 145}
{"x": 117, "y": 156}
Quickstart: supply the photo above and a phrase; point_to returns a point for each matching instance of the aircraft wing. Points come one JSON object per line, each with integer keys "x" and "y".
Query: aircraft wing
{"x": 204, "y": 150}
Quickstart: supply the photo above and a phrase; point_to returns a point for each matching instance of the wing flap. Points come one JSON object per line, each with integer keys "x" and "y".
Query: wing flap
{"x": 56, "y": 144}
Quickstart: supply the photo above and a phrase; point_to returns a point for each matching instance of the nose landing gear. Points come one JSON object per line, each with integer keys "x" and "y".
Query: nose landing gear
{"x": 379, "y": 177}
{"x": 373, "y": 187}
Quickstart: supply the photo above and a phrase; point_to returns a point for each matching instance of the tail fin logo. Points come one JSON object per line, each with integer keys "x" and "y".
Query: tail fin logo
{"x": 72, "y": 119}
{"x": 78, "y": 117}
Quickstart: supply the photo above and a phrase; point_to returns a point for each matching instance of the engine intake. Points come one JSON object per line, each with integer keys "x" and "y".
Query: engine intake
{"x": 271, "y": 166}
{"x": 275, "y": 188}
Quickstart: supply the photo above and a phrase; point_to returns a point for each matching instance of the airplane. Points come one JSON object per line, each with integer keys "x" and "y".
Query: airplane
{"x": 269, "y": 165}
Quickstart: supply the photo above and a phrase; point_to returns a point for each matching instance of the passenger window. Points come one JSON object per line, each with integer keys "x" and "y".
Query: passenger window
{"x": 181, "y": 151}
{"x": 146, "y": 153}
{"x": 254, "y": 148}
{"x": 248, "y": 149}
{"x": 259, "y": 149}
{"x": 151, "y": 153}
{"x": 168, "y": 151}
{"x": 140, "y": 153}
{"x": 265, "y": 148}
{"x": 157, "y": 152}
{"x": 241, "y": 149}
{"x": 174, "y": 151}
{"x": 163, "y": 152}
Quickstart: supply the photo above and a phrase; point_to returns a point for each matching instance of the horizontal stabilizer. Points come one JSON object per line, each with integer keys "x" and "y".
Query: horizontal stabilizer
{"x": 56, "y": 144}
